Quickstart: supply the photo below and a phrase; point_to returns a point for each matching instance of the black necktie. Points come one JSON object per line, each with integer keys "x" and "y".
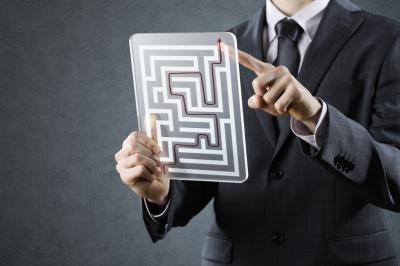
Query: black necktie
{"x": 288, "y": 33}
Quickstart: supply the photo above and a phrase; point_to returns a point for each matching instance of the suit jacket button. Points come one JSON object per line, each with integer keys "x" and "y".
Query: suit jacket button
{"x": 336, "y": 160}
{"x": 276, "y": 174}
{"x": 278, "y": 238}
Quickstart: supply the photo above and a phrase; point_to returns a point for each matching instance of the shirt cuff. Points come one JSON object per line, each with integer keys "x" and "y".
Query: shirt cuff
{"x": 302, "y": 132}
{"x": 156, "y": 217}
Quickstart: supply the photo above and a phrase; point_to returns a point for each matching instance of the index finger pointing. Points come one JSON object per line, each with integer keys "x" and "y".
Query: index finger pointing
{"x": 252, "y": 63}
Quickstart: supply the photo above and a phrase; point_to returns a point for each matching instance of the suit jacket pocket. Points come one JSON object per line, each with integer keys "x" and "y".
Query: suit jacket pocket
{"x": 361, "y": 249}
{"x": 217, "y": 249}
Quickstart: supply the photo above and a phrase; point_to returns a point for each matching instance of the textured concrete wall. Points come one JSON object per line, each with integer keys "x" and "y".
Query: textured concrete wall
{"x": 66, "y": 103}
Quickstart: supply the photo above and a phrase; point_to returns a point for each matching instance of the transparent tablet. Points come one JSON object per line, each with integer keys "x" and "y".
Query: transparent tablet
{"x": 188, "y": 99}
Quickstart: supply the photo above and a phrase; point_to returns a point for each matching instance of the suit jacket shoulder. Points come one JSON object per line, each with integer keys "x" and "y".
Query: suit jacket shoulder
{"x": 383, "y": 27}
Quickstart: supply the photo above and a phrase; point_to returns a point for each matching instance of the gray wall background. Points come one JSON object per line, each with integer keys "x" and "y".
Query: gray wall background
{"x": 66, "y": 103}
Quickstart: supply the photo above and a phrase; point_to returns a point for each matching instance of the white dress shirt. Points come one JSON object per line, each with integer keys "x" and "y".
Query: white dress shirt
{"x": 308, "y": 18}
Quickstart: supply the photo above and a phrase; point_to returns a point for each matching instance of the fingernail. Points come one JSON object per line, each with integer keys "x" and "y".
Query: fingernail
{"x": 251, "y": 102}
{"x": 158, "y": 173}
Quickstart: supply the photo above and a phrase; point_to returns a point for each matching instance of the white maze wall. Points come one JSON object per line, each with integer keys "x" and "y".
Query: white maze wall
{"x": 191, "y": 85}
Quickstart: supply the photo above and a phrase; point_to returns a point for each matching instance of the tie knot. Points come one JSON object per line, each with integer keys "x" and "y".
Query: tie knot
{"x": 288, "y": 28}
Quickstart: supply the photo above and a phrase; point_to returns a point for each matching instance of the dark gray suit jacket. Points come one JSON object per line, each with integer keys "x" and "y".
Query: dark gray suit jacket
{"x": 300, "y": 206}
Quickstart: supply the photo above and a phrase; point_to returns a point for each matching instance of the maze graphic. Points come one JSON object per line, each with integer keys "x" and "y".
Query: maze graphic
{"x": 188, "y": 99}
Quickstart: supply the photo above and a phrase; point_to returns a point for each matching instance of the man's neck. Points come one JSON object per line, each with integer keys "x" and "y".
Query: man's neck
{"x": 290, "y": 7}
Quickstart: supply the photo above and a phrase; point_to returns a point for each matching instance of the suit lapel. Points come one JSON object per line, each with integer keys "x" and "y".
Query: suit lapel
{"x": 251, "y": 41}
{"x": 336, "y": 28}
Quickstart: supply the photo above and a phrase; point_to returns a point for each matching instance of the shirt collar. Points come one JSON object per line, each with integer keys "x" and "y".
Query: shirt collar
{"x": 308, "y": 17}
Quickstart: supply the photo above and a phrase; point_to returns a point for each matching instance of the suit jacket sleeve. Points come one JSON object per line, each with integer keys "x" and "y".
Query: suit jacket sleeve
{"x": 187, "y": 198}
{"x": 368, "y": 159}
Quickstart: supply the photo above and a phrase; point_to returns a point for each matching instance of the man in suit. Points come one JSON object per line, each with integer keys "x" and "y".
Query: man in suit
{"x": 322, "y": 80}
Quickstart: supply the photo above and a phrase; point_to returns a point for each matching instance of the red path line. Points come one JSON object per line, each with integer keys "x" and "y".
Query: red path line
{"x": 205, "y": 102}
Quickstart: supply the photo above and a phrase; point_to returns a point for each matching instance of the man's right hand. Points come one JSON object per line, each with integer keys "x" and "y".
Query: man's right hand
{"x": 139, "y": 167}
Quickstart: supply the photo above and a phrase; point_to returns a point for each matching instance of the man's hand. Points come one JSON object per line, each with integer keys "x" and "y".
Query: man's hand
{"x": 279, "y": 93}
{"x": 140, "y": 169}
